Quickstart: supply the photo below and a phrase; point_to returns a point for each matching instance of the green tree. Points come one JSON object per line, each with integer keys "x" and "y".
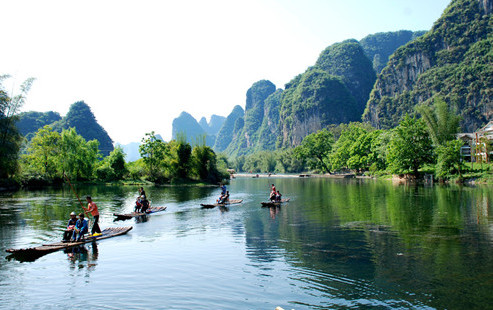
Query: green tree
{"x": 449, "y": 159}
{"x": 441, "y": 122}
{"x": 238, "y": 163}
{"x": 116, "y": 160}
{"x": 136, "y": 169}
{"x": 204, "y": 164}
{"x": 78, "y": 157}
{"x": 10, "y": 139}
{"x": 43, "y": 153}
{"x": 287, "y": 161}
{"x": 184, "y": 154}
{"x": 410, "y": 146}
{"x": 351, "y": 149}
{"x": 316, "y": 148}
{"x": 153, "y": 152}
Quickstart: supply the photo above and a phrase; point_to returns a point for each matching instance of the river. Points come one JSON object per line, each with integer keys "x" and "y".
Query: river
{"x": 338, "y": 244}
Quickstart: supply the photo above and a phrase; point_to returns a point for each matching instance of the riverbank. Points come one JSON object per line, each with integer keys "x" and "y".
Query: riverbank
{"x": 476, "y": 179}
{"x": 299, "y": 175}
{"x": 12, "y": 186}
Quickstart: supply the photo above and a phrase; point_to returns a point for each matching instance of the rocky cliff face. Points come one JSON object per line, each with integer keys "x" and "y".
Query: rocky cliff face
{"x": 311, "y": 102}
{"x": 269, "y": 130}
{"x": 226, "y": 133}
{"x": 213, "y": 126}
{"x": 379, "y": 46}
{"x": 451, "y": 61}
{"x": 248, "y": 136}
{"x": 348, "y": 61}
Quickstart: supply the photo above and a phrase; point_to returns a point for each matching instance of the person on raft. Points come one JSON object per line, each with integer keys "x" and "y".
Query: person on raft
{"x": 138, "y": 204}
{"x": 93, "y": 208}
{"x": 145, "y": 205}
{"x": 278, "y": 196}
{"x": 273, "y": 193}
{"x": 223, "y": 193}
{"x": 142, "y": 193}
{"x": 224, "y": 198}
{"x": 70, "y": 227}
{"x": 81, "y": 228}
{"x": 140, "y": 198}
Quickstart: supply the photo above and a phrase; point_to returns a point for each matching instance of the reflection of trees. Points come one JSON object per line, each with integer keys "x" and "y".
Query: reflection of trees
{"x": 434, "y": 242}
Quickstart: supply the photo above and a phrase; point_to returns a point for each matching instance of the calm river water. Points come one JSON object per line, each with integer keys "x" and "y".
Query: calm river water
{"x": 338, "y": 244}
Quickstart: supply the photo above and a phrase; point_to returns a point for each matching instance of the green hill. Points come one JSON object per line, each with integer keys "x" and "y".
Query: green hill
{"x": 81, "y": 117}
{"x": 247, "y": 137}
{"x": 311, "y": 102}
{"x": 29, "y": 122}
{"x": 453, "y": 60}
{"x": 186, "y": 124}
{"x": 348, "y": 61}
{"x": 379, "y": 46}
{"x": 225, "y": 134}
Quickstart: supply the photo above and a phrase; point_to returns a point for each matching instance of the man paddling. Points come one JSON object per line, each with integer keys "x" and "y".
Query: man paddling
{"x": 93, "y": 208}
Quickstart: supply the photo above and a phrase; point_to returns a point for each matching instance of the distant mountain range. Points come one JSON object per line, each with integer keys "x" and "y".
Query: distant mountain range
{"x": 334, "y": 90}
{"x": 377, "y": 79}
{"x": 193, "y": 132}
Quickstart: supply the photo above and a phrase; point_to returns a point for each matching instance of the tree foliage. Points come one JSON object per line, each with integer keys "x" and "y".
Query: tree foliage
{"x": 10, "y": 138}
{"x": 315, "y": 149}
{"x": 50, "y": 155}
{"x": 442, "y": 123}
{"x": 153, "y": 152}
{"x": 449, "y": 161}
{"x": 410, "y": 147}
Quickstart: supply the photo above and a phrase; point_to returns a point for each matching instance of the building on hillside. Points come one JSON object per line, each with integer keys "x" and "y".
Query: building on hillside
{"x": 477, "y": 145}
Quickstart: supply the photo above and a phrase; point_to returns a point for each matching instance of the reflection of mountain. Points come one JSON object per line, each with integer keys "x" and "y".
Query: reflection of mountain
{"x": 358, "y": 238}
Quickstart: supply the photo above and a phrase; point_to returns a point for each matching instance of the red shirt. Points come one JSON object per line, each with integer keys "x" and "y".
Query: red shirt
{"x": 91, "y": 207}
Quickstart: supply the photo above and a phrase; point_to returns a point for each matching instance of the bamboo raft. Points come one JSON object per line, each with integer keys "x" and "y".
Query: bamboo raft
{"x": 36, "y": 252}
{"x": 213, "y": 205}
{"x": 127, "y": 216}
{"x": 274, "y": 203}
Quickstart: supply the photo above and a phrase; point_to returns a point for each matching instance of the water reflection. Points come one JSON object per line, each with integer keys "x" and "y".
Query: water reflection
{"x": 431, "y": 241}
{"x": 81, "y": 257}
{"x": 338, "y": 244}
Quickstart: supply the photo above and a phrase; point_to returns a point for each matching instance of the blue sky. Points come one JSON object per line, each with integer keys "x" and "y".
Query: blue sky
{"x": 138, "y": 64}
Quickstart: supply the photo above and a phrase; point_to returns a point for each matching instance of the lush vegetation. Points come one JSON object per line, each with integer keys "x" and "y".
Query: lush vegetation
{"x": 348, "y": 61}
{"x": 81, "y": 118}
{"x": 416, "y": 146}
{"x": 29, "y": 122}
{"x": 225, "y": 134}
{"x": 311, "y": 102}
{"x": 379, "y": 46}
{"x": 10, "y": 139}
{"x": 247, "y": 137}
{"x": 50, "y": 156}
{"x": 454, "y": 60}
